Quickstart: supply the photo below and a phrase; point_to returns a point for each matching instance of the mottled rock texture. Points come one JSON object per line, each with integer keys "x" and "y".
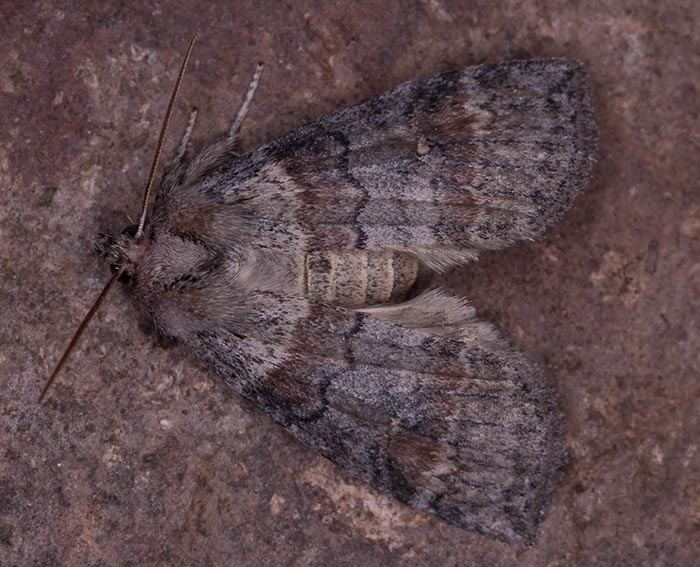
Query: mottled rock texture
{"x": 139, "y": 457}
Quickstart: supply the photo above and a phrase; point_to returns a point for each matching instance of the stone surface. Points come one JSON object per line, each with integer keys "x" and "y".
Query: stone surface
{"x": 139, "y": 457}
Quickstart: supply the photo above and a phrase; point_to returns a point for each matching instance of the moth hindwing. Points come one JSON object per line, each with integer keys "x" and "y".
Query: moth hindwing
{"x": 286, "y": 271}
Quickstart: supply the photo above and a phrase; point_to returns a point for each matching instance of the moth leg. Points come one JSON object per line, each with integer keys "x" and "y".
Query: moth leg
{"x": 184, "y": 143}
{"x": 175, "y": 171}
{"x": 216, "y": 154}
{"x": 245, "y": 107}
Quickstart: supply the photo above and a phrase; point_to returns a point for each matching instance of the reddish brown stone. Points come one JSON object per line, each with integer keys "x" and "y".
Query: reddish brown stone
{"x": 139, "y": 457}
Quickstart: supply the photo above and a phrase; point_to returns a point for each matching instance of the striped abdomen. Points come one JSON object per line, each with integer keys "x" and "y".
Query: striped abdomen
{"x": 358, "y": 278}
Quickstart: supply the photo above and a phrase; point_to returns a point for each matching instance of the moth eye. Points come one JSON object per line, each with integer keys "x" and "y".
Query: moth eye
{"x": 130, "y": 231}
{"x": 126, "y": 278}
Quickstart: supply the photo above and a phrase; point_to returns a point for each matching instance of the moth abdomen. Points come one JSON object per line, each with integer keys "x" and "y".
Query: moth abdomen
{"x": 358, "y": 278}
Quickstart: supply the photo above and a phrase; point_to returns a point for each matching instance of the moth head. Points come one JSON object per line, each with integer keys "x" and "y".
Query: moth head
{"x": 123, "y": 250}
{"x": 120, "y": 251}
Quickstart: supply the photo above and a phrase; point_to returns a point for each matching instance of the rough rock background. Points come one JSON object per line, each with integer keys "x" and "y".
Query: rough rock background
{"x": 139, "y": 457}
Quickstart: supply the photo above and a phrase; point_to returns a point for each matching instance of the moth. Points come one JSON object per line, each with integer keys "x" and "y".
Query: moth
{"x": 286, "y": 271}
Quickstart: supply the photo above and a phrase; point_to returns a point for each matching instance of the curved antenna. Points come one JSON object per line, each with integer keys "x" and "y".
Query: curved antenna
{"x": 154, "y": 164}
{"x": 161, "y": 137}
{"x": 76, "y": 336}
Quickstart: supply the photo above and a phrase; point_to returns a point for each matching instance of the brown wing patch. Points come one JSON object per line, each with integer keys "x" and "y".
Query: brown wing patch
{"x": 448, "y": 121}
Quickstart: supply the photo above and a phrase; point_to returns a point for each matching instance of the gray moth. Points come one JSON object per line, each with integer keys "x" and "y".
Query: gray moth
{"x": 286, "y": 271}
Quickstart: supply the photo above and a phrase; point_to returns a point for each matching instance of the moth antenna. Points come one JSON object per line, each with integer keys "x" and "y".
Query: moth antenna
{"x": 76, "y": 336}
{"x": 161, "y": 137}
{"x": 147, "y": 193}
